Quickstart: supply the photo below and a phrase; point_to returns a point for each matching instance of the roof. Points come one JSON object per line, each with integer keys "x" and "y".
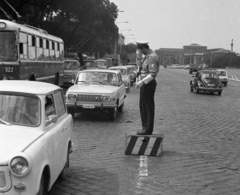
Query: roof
{"x": 31, "y": 87}
{"x": 207, "y": 71}
{"x": 99, "y": 70}
{"x": 117, "y": 67}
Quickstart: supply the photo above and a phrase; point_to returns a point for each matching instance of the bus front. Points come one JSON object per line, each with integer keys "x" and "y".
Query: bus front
{"x": 8, "y": 53}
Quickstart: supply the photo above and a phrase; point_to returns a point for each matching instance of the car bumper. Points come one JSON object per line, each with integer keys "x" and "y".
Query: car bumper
{"x": 210, "y": 89}
{"x": 77, "y": 106}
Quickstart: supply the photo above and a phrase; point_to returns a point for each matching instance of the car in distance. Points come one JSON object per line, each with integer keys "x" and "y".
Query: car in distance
{"x": 133, "y": 73}
{"x": 223, "y": 76}
{"x": 97, "y": 90}
{"x": 206, "y": 81}
{"x": 71, "y": 68}
{"x": 90, "y": 64}
{"x": 125, "y": 72}
{"x": 35, "y": 140}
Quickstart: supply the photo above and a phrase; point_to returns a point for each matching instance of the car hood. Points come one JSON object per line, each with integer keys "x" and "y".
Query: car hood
{"x": 14, "y": 139}
{"x": 93, "y": 89}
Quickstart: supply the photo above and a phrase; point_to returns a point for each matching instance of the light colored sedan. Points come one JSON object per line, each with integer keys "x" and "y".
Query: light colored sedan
{"x": 35, "y": 137}
{"x": 97, "y": 90}
{"x": 125, "y": 72}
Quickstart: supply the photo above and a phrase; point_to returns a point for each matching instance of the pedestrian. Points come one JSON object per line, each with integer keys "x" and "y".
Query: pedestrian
{"x": 147, "y": 85}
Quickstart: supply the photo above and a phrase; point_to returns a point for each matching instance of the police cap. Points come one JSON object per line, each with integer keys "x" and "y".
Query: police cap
{"x": 141, "y": 44}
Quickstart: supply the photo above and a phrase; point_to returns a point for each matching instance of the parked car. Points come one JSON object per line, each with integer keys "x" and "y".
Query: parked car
{"x": 97, "y": 90}
{"x": 71, "y": 68}
{"x": 125, "y": 72}
{"x": 104, "y": 63}
{"x": 35, "y": 140}
{"x": 223, "y": 76}
{"x": 133, "y": 73}
{"x": 206, "y": 81}
{"x": 90, "y": 64}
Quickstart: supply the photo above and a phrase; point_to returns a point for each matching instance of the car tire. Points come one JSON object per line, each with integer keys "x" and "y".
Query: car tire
{"x": 191, "y": 89}
{"x": 120, "y": 109}
{"x": 112, "y": 113}
{"x": 71, "y": 111}
{"x": 219, "y": 93}
{"x": 197, "y": 89}
{"x": 63, "y": 173}
{"x": 42, "y": 188}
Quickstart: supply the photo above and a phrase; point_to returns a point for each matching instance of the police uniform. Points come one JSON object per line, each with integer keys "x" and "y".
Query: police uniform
{"x": 148, "y": 73}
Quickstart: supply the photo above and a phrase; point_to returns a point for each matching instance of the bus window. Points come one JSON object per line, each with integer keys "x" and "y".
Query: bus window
{"x": 31, "y": 48}
{"x": 8, "y": 47}
{"x": 57, "y": 51}
{"x": 61, "y": 52}
{"x": 23, "y": 45}
{"x": 52, "y": 56}
{"x": 45, "y": 50}
{"x": 39, "y": 49}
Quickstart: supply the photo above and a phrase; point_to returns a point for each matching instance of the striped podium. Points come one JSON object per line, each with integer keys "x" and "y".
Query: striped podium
{"x": 149, "y": 145}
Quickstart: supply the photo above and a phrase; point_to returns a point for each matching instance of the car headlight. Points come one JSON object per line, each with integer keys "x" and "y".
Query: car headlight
{"x": 72, "y": 96}
{"x": 106, "y": 99}
{"x": 20, "y": 165}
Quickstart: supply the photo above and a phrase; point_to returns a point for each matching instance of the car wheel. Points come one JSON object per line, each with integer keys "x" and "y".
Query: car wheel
{"x": 42, "y": 189}
{"x": 219, "y": 93}
{"x": 197, "y": 89}
{"x": 63, "y": 173}
{"x": 191, "y": 89}
{"x": 120, "y": 109}
{"x": 71, "y": 111}
{"x": 112, "y": 112}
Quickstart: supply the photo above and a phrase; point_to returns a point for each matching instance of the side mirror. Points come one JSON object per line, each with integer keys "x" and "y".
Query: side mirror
{"x": 53, "y": 118}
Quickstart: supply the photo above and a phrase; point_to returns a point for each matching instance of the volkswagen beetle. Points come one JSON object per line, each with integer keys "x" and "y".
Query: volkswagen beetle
{"x": 206, "y": 81}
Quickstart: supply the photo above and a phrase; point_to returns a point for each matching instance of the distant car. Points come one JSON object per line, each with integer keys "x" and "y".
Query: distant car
{"x": 35, "y": 137}
{"x": 125, "y": 72}
{"x": 187, "y": 67}
{"x": 90, "y": 64}
{"x": 71, "y": 69}
{"x": 223, "y": 76}
{"x": 97, "y": 90}
{"x": 206, "y": 81}
{"x": 133, "y": 73}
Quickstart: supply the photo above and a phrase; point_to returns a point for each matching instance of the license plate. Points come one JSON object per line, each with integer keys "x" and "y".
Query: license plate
{"x": 89, "y": 106}
{"x": 210, "y": 85}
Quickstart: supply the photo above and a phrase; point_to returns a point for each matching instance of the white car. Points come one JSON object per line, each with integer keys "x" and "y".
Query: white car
{"x": 125, "y": 72}
{"x": 35, "y": 137}
{"x": 223, "y": 76}
{"x": 97, "y": 90}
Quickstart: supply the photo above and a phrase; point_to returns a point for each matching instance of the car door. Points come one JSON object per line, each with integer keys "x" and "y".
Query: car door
{"x": 63, "y": 132}
{"x": 122, "y": 89}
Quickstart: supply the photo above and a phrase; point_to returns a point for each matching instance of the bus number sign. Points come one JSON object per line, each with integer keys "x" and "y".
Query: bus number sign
{"x": 8, "y": 69}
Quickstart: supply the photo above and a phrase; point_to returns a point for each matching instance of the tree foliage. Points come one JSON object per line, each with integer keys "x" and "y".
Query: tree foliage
{"x": 85, "y": 25}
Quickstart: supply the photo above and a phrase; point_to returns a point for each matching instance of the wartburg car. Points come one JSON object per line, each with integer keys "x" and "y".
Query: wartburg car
{"x": 206, "y": 81}
{"x": 125, "y": 72}
{"x": 101, "y": 90}
{"x": 35, "y": 137}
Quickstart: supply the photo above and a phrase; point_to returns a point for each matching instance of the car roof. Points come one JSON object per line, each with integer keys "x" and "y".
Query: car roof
{"x": 22, "y": 86}
{"x": 207, "y": 71}
{"x": 100, "y": 70}
{"x": 117, "y": 67}
{"x": 71, "y": 61}
{"x": 221, "y": 70}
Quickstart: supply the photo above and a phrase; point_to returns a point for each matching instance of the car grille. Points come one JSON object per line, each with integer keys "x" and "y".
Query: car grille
{"x": 2, "y": 179}
{"x": 89, "y": 98}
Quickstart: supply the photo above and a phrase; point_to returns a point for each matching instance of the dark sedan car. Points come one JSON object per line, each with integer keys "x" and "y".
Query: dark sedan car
{"x": 206, "y": 81}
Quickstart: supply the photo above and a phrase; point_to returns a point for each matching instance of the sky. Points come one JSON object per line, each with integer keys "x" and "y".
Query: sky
{"x": 175, "y": 23}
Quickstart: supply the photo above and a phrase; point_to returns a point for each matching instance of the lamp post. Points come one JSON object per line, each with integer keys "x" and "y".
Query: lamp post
{"x": 115, "y": 49}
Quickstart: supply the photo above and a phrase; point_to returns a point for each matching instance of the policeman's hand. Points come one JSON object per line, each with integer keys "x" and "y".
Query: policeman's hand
{"x": 139, "y": 84}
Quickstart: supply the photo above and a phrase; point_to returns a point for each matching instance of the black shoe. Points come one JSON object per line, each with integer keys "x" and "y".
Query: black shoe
{"x": 143, "y": 133}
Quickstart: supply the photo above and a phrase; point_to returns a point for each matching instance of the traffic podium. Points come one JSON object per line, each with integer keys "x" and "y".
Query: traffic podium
{"x": 149, "y": 145}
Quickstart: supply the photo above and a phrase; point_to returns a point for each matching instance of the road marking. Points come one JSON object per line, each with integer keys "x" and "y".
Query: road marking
{"x": 143, "y": 171}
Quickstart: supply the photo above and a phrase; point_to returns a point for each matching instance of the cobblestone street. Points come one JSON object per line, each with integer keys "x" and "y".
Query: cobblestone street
{"x": 200, "y": 146}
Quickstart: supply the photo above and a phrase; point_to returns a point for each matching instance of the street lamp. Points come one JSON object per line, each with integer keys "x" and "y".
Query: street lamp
{"x": 115, "y": 50}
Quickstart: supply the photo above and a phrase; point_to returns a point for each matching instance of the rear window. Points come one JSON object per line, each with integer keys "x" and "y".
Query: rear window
{"x": 222, "y": 73}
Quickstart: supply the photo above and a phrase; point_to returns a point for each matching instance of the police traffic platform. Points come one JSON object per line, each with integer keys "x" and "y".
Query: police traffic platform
{"x": 150, "y": 145}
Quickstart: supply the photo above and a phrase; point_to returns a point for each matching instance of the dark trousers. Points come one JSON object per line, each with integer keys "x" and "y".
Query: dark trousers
{"x": 147, "y": 105}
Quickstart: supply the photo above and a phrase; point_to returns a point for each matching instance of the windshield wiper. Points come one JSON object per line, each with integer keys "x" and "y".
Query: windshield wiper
{"x": 4, "y": 122}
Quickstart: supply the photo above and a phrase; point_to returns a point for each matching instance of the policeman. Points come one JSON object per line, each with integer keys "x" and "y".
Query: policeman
{"x": 147, "y": 85}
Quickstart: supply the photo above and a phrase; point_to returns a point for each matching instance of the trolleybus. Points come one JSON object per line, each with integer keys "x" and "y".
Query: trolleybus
{"x": 29, "y": 53}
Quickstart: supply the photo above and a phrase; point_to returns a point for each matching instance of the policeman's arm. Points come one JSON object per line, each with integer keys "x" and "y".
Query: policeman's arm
{"x": 153, "y": 69}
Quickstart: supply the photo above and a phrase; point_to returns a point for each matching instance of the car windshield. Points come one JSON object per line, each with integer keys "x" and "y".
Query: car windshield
{"x": 101, "y": 63}
{"x": 222, "y": 73}
{"x": 8, "y": 46}
{"x": 98, "y": 77}
{"x": 122, "y": 71}
{"x": 19, "y": 110}
{"x": 90, "y": 64}
{"x": 71, "y": 65}
{"x": 209, "y": 75}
